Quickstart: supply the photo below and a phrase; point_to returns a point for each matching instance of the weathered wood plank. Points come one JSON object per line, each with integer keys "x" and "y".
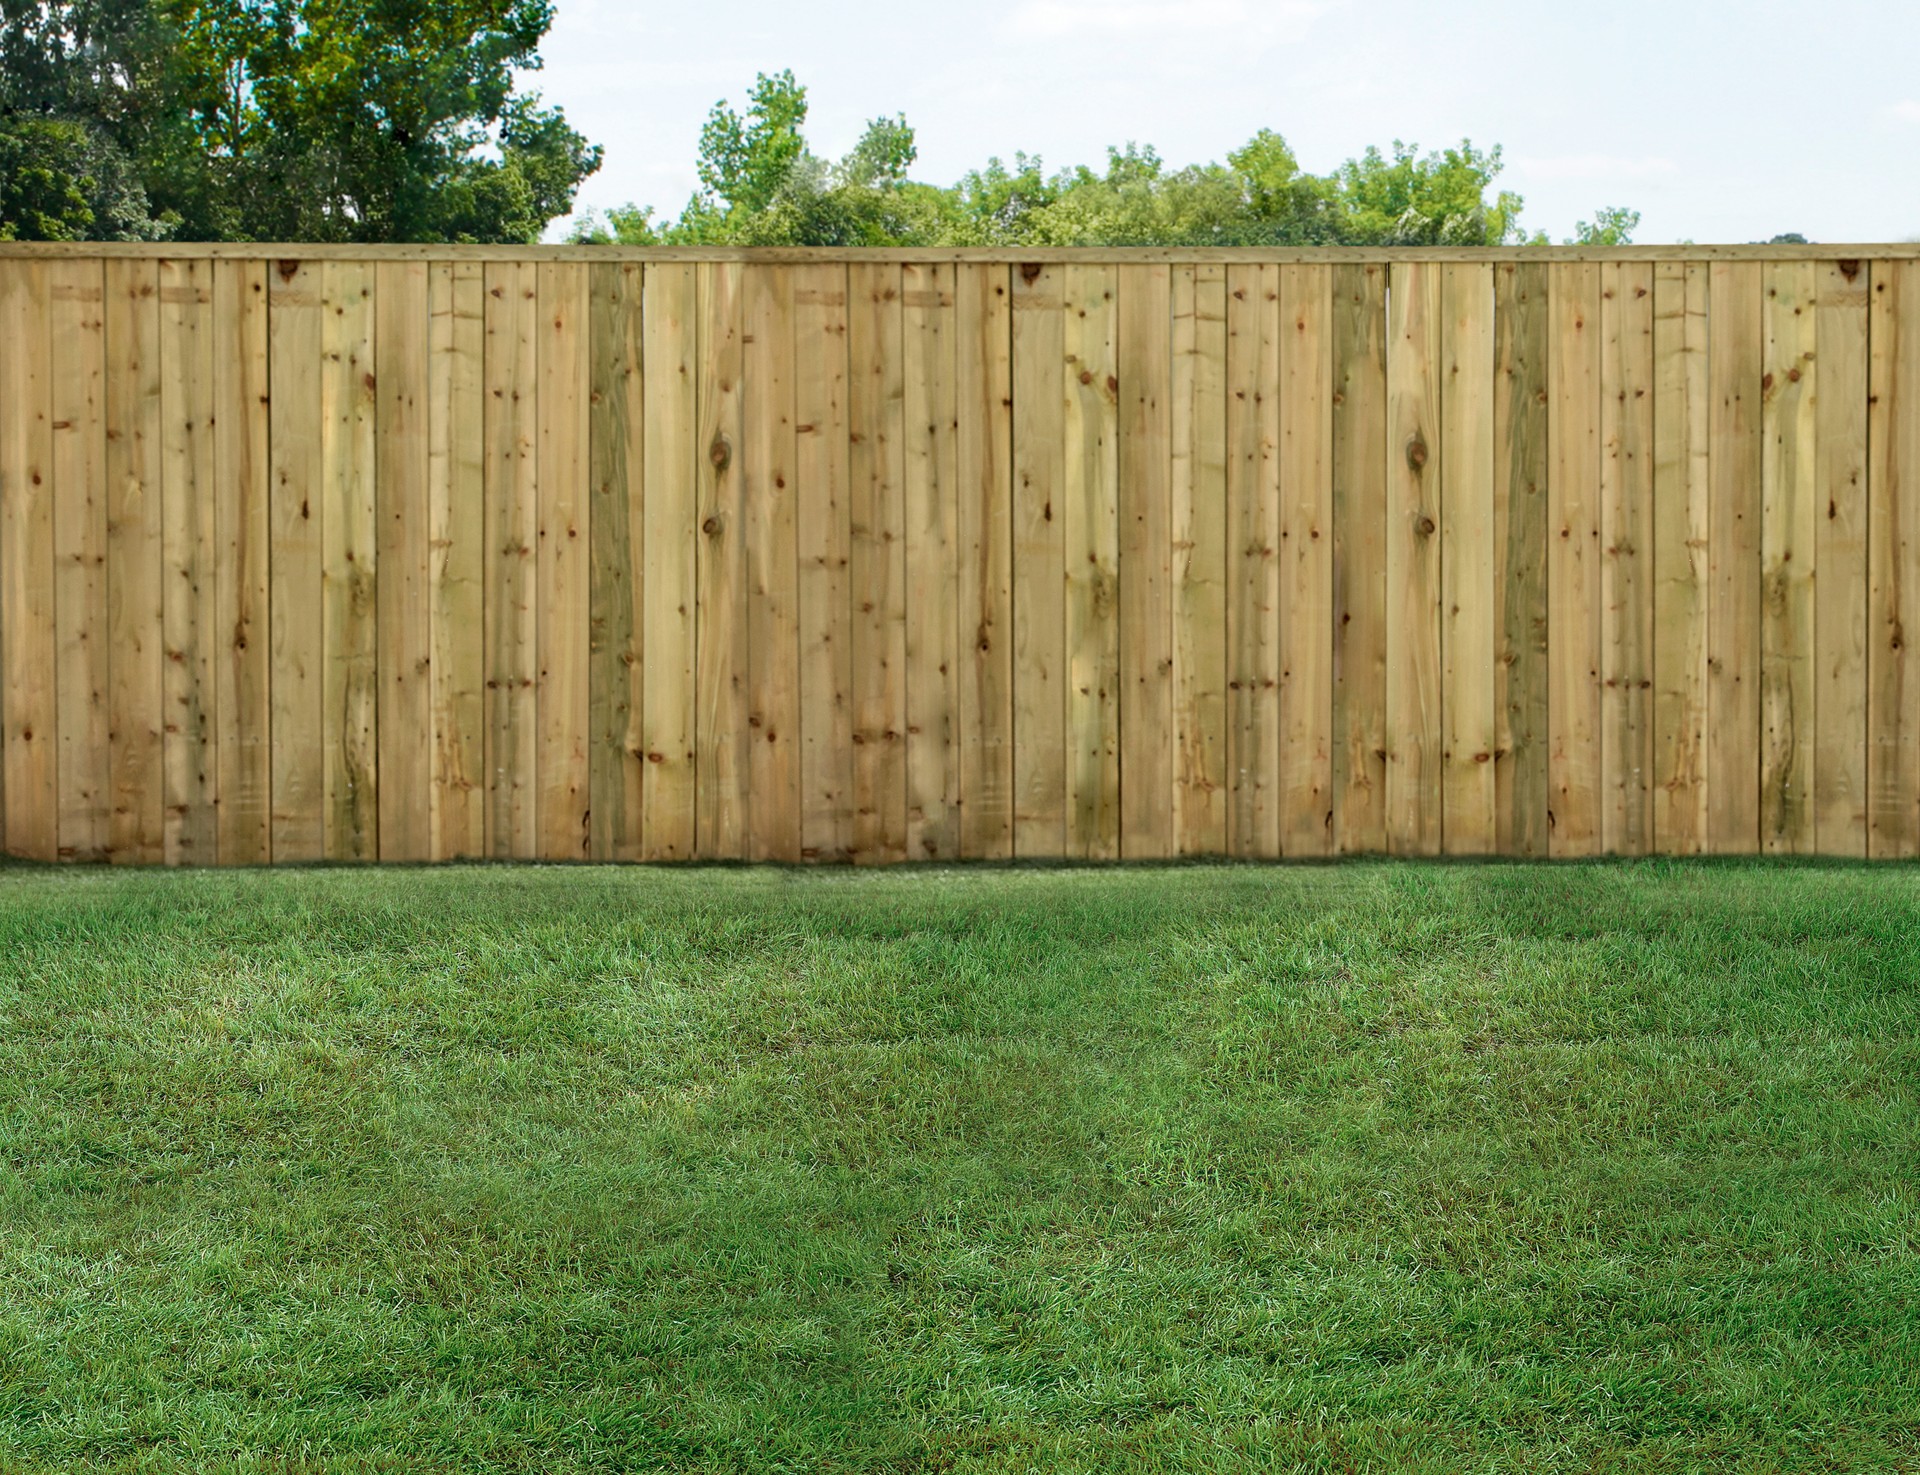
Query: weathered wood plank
{"x": 510, "y": 474}
{"x": 1253, "y": 561}
{"x": 876, "y": 433}
{"x": 1469, "y": 572}
{"x": 131, "y": 397}
{"x": 1680, "y": 495}
{"x": 1735, "y": 351}
{"x": 77, "y": 368}
{"x": 823, "y": 541}
{"x": 617, "y": 673}
{"x": 349, "y": 594}
{"x": 1199, "y": 565}
{"x": 1306, "y": 560}
{"x": 672, "y": 542}
{"x": 1039, "y": 564}
{"x": 403, "y": 538}
{"x": 29, "y": 717}
{"x": 773, "y": 626}
{"x": 1360, "y": 558}
{"x": 930, "y": 499}
{"x": 189, "y": 541}
{"x": 720, "y": 673}
{"x": 456, "y": 471}
{"x": 1148, "y": 726}
{"x": 1840, "y": 563}
{"x": 1626, "y": 557}
{"x": 983, "y": 369}
{"x": 1789, "y": 482}
{"x": 565, "y": 578}
{"x": 1893, "y": 548}
{"x": 1574, "y": 556}
{"x": 296, "y": 508}
{"x": 1520, "y": 558}
{"x": 1414, "y": 622}
{"x": 1090, "y": 497}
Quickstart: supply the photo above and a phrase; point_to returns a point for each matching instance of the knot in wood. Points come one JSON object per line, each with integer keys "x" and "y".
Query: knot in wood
{"x": 720, "y": 453}
{"x": 1417, "y": 453}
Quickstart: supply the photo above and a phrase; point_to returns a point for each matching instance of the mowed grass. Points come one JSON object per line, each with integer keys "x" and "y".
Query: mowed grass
{"x": 1360, "y": 1167}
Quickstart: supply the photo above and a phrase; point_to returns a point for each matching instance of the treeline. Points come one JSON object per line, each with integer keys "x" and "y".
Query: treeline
{"x": 761, "y": 184}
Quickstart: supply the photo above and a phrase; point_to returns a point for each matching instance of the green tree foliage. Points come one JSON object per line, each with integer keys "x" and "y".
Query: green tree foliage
{"x": 760, "y": 184}
{"x": 320, "y": 120}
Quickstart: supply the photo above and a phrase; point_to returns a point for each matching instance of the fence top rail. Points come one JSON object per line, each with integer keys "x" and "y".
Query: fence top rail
{"x": 1049, "y": 255}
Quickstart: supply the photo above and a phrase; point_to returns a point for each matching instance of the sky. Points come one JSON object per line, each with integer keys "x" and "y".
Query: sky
{"x": 1717, "y": 121}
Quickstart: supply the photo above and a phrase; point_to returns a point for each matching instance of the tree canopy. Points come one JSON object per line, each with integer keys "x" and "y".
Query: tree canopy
{"x": 762, "y": 184}
{"x": 315, "y": 120}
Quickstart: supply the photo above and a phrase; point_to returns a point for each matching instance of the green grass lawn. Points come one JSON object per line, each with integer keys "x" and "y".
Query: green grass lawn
{"x": 1361, "y": 1167}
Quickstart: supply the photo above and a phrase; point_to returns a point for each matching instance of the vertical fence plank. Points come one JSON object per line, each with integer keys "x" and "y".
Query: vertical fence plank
{"x": 189, "y": 617}
{"x": 823, "y": 535}
{"x": 564, "y": 578}
{"x": 457, "y": 568}
{"x": 1306, "y": 560}
{"x": 1735, "y": 353}
{"x": 1789, "y": 480}
{"x": 671, "y": 540}
{"x": 1199, "y": 564}
{"x": 1147, "y": 723}
{"x": 932, "y": 536}
{"x": 1253, "y": 560}
{"x": 132, "y": 465}
{"x": 511, "y": 598}
{"x": 1414, "y": 717}
{"x": 1091, "y": 498}
{"x": 1680, "y": 576}
{"x": 1573, "y": 575}
{"x": 296, "y": 508}
{"x": 983, "y": 454}
{"x": 77, "y": 352}
{"x": 1840, "y": 562}
{"x": 1039, "y": 563}
{"x": 617, "y": 673}
{"x": 720, "y": 722}
{"x": 29, "y": 745}
{"x": 1893, "y": 547}
{"x": 1520, "y": 557}
{"x": 1360, "y": 558}
{"x": 1626, "y": 556}
{"x": 1469, "y": 575}
{"x": 349, "y": 595}
{"x": 403, "y": 556}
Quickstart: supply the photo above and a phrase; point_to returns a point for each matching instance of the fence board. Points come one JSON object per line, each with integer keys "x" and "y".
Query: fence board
{"x": 29, "y": 743}
{"x": 1625, "y": 561}
{"x": 1789, "y": 474}
{"x": 564, "y": 578}
{"x": 1573, "y": 574}
{"x": 1090, "y": 494}
{"x": 296, "y": 510}
{"x": 929, "y": 413}
{"x": 1253, "y": 560}
{"x": 1199, "y": 558}
{"x": 1893, "y": 546}
{"x": 1840, "y": 562}
{"x": 1147, "y": 724}
{"x": 1039, "y": 564}
{"x": 1360, "y": 558}
{"x": 1520, "y": 444}
{"x": 617, "y": 674}
{"x": 1306, "y": 561}
{"x": 510, "y": 471}
{"x": 1735, "y": 351}
{"x": 1414, "y": 723}
{"x": 1468, "y": 698}
{"x": 402, "y": 605}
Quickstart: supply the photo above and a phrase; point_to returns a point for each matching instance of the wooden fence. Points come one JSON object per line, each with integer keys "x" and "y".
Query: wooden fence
{"x": 414, "y": 553}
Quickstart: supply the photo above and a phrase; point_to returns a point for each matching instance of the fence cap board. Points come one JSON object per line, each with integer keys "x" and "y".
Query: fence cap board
{"x": 1051, "y": 255}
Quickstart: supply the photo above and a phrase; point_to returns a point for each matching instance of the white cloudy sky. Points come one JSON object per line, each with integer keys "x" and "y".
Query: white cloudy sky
{"x": 1719, "y": 121}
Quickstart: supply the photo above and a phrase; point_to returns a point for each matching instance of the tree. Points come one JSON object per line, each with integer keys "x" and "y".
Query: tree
{"x": 322, "y": 120}
{"x": 1612, "y": 225}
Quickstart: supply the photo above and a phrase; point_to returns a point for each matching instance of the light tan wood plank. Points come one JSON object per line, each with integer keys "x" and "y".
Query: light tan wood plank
{"x": 1198, "y": 492}
{"x": 1840, "y": 562}
{"x": 131, "y": 395}
{"x": 720, "y": 621}
{"x": 1893, "y": 550}
{"x": 1626, "y": 557}
{"x": 1520, "y": 558}
{"x": 671, "y": 543}
{"x": 1573, "y": 559}
{"x": 1253, "y": 561}
{"x": 1680, "y": 495}
{"x": 618, "y": 674}
{"x": 1147, "y": 725}
{"x": 1090, "y": 497}
{"x": 1039, "y": 564}
{"x": 1735, "y": 352}
{"x": 29, "y": 731}
{"x": 565, "y": 572}
{"x": 1306, "y": 560}
{"x": 1415, "y": 730}
{"x": 1469, "y": 568}
{"x": 510, "y": 477}
{"x": 457, "y": 570}
{"x": 983, "y": 369}
{"x": 296, "y": 508}
{"x": 403, "y": 510}
{"x": 876, "y": 428}
{"x": 930, "y": 497}
{"x": 1360, "y": 558}
{"x": 1789, "y": 479}
{"x": 77, "y": 344}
